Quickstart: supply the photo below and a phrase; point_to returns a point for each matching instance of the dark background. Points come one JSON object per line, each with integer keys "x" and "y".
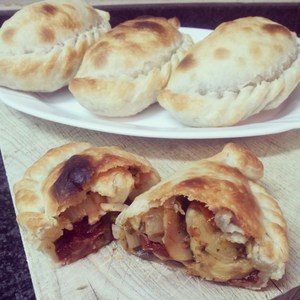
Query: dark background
{"x": 205, "y": 15}
{"x": 209, "y": 15}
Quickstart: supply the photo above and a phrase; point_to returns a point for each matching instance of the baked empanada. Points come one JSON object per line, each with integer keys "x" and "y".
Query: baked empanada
{"x": 243, "y": 67}
{"x": 68, "y": 200}
{"x": 42, "y": 45}
{"x": 123, "y": 73}
{"x": 214, "y": 219}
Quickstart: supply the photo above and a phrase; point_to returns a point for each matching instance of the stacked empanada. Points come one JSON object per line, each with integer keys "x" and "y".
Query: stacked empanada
{"x": 42, "y": 45}
{"x": 123, "y": 73}
{"x": 243, "y": 67}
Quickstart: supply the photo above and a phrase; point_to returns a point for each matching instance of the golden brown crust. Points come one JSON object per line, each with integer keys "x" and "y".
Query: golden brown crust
{"x": 242, "y": 159}
{"x": 65, "y": 177}
{"x": 251, "y": 64}
{"x": 48, "y": 57}
{"x": 122, "y": 74}
{"x": 244, "y": 221}
{"x": 224, "y": 188}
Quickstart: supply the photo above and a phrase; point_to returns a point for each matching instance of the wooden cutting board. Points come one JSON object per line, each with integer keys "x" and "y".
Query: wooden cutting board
{"x": 113, "y": 274}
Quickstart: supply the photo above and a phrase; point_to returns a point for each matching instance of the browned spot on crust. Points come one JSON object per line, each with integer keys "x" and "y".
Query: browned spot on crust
{"x": 74, "y": 176}
{"x": 69, "y": 23}
{"x": 51, "y": 64}
{"x": 69, "y": 67}
{"x": 68, "y": 72}
{"x": 81, "y": 83}
{"x": 100, "y": 45}
{"x": 276, "y": 29}
{"x": 136, "y": 48}
{"x": 177, "y": 101}
{"x": 198, "y": 183}
{"x": 221, "y": 53}
{"x": 47, "y": 35}
{"x": 149, "y": 26}
{"x": 8, "y": 35}
{"x": 254, "y": 50}
{"x": 99, "y": 54}
{"x": 187, "y": 62}
{"x": 28, "y": 69}
{"x": 48, "y": 9}
{"x": 63, "y": 16}
{"x": 119, "y": 35}
{"x": 247, "y": 28}
{"x": 279, "y": 48}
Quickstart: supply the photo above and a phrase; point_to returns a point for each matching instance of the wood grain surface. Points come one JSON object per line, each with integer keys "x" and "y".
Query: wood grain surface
{"x": 113, "y": 274}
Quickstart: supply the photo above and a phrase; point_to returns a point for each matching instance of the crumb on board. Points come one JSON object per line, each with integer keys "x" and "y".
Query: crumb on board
{"x": 82, "y": 287}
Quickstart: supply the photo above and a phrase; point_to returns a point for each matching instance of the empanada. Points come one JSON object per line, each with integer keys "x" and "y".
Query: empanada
{"x": 42, "y": 45}
{"x": 243, "y": 67}
{"x": 123, "y": 73}
{"x": 68, "y": 200}
{"x": 214, "y": 219}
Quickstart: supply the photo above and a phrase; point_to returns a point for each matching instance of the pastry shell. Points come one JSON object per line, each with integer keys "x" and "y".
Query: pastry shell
{"x": 125, "y": 70}
{"x": 42, "y": 45}
{"x": 243, "y": 67}
{"x": 243, "y": 211}
{"x": 61, "y": 180}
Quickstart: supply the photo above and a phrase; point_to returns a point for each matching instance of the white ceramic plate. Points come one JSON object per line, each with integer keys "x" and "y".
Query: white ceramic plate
{"x": 61, "y": 107}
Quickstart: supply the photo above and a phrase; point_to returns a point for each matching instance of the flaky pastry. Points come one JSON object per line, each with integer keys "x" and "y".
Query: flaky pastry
{"x": 125, "y": 70}
{"x": 42, "y": 44}
{"x": 243, "y": 67}
{"x": 68, "y": 200}
{"x": 214, "y": 219}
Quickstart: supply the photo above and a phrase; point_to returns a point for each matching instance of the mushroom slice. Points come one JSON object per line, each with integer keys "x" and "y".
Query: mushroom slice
{"x": 219, "y": 259}
{"x": 176, "y": 238}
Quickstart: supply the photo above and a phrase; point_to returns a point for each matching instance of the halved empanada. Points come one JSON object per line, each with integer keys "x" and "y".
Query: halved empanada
{"x": 68, "y": 200}
{"x": 123, "y": 73}
{"x": 42, "y": 45}
{"x": 243, "y": 67}
{"x": 214, "y": 219}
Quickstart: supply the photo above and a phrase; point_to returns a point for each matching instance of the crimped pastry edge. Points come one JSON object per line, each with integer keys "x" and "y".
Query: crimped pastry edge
{"x": 101, "y": 95}
{"x": 271, "y": 264}
{"x": 213, "y": 110}
{"x": 54, "y": 68}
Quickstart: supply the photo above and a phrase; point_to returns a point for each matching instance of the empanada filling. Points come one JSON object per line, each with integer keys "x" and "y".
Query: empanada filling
{"x": 84, "y": 238}
{"x": 87, "y": 225}
{"x": 185, "y": 231}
